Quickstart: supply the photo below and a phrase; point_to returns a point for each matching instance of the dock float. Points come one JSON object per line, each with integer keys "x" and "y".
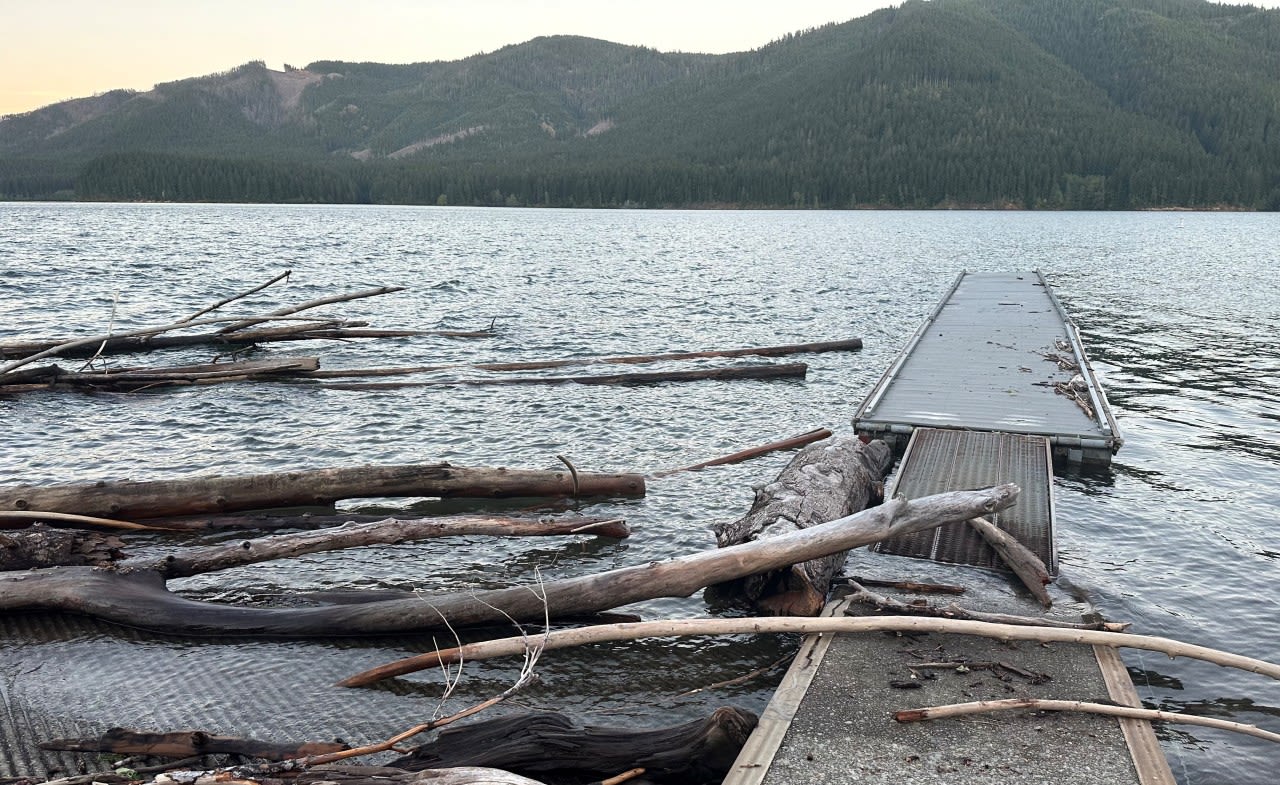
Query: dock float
{"x": 991, "y": 389}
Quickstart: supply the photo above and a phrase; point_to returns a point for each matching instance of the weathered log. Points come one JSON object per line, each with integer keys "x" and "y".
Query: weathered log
{"x": 389, "y": 531}
{"x": 564, "y": 639}
{"x": 781, "y": 371}
{"x": 1017, "y": 557}
{"x": 42, "y": 546}
{"x": 196, "y": 495}
{"x": 140, "y": 599}
{"x": 182, "y": 744}
{"x": 823, "y": 482}
{"x": 211, "y": 373}
{"x": 851, "y": 344}
{"x": 815, "y": 435}
{"x": 550, "y": 745}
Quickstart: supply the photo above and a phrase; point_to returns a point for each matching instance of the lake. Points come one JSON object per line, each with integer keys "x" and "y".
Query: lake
{"x": 1180, "y": 313}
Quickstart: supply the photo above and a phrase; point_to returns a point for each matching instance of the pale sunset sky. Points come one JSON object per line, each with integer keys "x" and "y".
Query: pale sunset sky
{"x": 59, "y": 49}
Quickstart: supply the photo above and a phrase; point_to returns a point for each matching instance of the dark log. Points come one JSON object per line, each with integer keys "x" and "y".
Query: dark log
{"x": 196, "y": 495}
{"x": 140, "y": 599}
{"x": 389, "y": 531}
{"x": 825, "y": 481}
{"x": 547, "y": 745}
{"x": 183, "y": 744}
{"x": 851, "y": 344}
{"x": 754, "y": 452}
{"x": 211, "y": 373}
{"x": 782, "y": 371}
{"x": 42, "y": 546}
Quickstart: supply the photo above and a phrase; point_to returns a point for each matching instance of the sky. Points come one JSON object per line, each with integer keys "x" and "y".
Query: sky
{"x": 59, "y": 49}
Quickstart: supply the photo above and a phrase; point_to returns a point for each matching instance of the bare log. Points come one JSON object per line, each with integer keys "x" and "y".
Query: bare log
{"x": 851, "y": 344}
{"x": 563, "y": 639}
{"x": 308, "y": 305}
{"x": 791, "y": 370}
{"x": 197, "y": 495}
{"x": 140, "y": 599}
{"x": 1018, "y": 557}
{"x": 40, "y": 546}
{"x": 389, "y": 531}
{"x": 824, "y": 481}
{"x": 538, "y": 744}
{"x": 1032, "y": 704}
{"x": 211, "y": 373}
{"x": 815, "y": 435}
{"x": 182, "y": 744}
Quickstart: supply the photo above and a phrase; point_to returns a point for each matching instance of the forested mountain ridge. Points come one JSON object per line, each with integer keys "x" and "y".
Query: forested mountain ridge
{"x": 1024, "y": 103}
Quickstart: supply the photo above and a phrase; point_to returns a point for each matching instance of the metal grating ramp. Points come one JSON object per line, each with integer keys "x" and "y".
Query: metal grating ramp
{"x": 939, "y": 460}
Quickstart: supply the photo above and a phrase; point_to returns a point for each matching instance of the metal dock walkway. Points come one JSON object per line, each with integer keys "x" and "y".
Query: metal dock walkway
{"x": 988, "y": 391}
{"x": 998, "y": 354}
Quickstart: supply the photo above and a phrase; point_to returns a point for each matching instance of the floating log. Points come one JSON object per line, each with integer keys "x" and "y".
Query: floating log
{"x": 781, "y": 371}
{"x": 139, "y": 598}
{"x": 183, "y": 744}
{"x": 197, "y": 495}
{"x": 847, "y": 345}
{"x": 824, "y": 481}
{"x": 1018, "y": 557}
{"x": 552, "y": 746}
{"x": 754, "y": 452}
{"x": 147, "y": 378}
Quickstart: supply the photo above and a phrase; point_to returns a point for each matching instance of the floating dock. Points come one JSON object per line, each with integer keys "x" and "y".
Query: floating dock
{"x": 992, "y": 388}
{"x": 998, "y": 354}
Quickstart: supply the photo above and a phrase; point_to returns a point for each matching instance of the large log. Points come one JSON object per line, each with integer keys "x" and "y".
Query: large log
{"x": 149, "y": 378}
{"x": 218, "y": 493}
{"x": 548, "y": 745}
{"x": 823, "y": 482}
{"x": 140, "y": 599}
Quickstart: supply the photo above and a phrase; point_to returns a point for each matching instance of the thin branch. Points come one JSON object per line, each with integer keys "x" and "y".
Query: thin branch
{"x": 953, "y": 611}
{"x": 284, "y": 276}
{"x": 337, "y": 298}
{"x": 983, "y": 707}
{"x": 743, "y": 679}
{"x": 809, "y": 437}
{"x": 66, "y": 517}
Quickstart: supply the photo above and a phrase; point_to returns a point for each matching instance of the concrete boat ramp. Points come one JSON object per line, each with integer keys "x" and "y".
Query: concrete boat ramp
{"x": 992, "y": 388}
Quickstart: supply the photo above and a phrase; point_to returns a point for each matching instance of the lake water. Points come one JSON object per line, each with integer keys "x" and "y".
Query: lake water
{"x": 1180, "y": 313}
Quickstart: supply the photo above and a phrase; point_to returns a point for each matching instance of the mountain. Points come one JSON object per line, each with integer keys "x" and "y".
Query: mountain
{"x": 1023, "y": 103}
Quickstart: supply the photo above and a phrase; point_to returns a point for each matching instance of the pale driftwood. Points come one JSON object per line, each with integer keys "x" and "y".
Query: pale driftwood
{"x": 634, "y": 359}
{"x": 140, "y": 599}
{"x": 26, "y": 517}
{"x": 181, "y": 744}
{"x": 198, "y": 495}
{"x": 390, "y": 531}
{"x": 308, "y": 305}
{"x": 861, "y": 595}
{"x": 539, "y": 743}
{"x": 284, "y": 276}
{"x": 815, "y": 435}
{"x": 823, "y": 482}
{"x": 766, "y": 625}
{"x": 1017, "y": 557}
{"x": 781, "y": 371}
{"x": 1032, "y": 704}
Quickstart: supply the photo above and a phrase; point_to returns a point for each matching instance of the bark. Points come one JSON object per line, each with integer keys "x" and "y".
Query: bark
{"x": 782, "y": 371}
{"x": 564, "y": 639}
{"x": 41, "y": 546}
{"x": 1017, "y": 557}
{"x": 140, "y": 599}
{"x": 633, "y": 359}
{"x": 198, "y": 495}
{"x": 182, "y": 744}
{"x": 824, "y": 481}
{"x": 550, "y": 745}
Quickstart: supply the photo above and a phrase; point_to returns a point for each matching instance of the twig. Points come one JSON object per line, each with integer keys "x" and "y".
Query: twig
{"x": 282, "y": 276}
{"x": 982, "y": 707}
{"x": 85, "y": 779}
{"x": 620, "y": 778}
{"x": 337, "y": 298}
{"x": 783, "y": 444}
{"x": 111, "y": 323}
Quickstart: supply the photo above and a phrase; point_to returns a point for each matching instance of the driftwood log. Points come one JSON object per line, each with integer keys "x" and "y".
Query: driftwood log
{"x": 197, "y": 495}
{"x": 825, "y": 481}
{"x": 551, "y": 746}
{"x": 150, "y": 378}
{"x": 780, "y": 371}
{"x": 184, "y": 744}
{"x": 1017, "y": 557}
{"x": 139, "y": 598}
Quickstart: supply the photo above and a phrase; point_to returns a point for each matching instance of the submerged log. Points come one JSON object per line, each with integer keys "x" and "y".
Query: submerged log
{"x": 550, "y": 745}
{"x": 1017, "y": 557}
{"x": 42, "y": 546}
{"x": 184, "y": 744}
{"x": 824, "y": 481}
{"x": 818, "y": 434}
{"x": 140, "y": 599}
{"x": 197, "y": 495}
{"x": 781, "y": 371}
